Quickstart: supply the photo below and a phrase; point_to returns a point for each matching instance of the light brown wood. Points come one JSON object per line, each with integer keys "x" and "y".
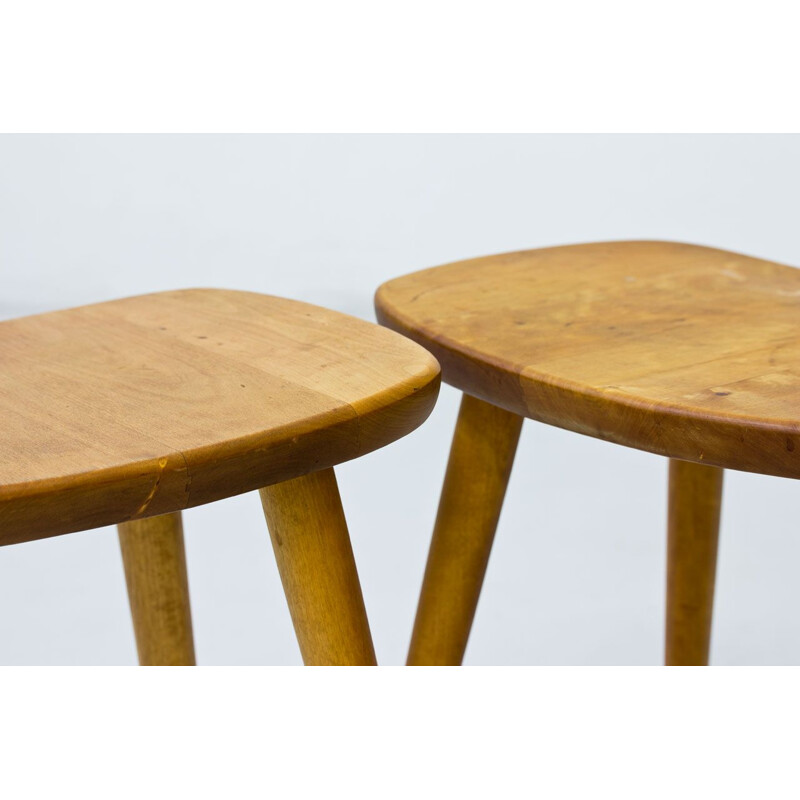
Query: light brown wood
{"x": 478, "y": 470}
{"x": 695, "y": 497}
{"x": 158, "y": 590}
{"x": 315, "y": 559}
{"x": 148, "y": 405}
{"x": 684, "y": 351}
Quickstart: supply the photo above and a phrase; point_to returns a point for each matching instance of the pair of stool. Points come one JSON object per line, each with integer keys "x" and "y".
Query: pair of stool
{"x": 129, "y": 411}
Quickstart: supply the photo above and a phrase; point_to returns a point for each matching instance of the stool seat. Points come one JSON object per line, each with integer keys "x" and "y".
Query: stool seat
{"x": 151, "y": 404}
{"x": 680, "y": 350}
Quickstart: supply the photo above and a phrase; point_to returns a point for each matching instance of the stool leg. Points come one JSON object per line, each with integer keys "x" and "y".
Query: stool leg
{"x": 481, "y": 458}
{"x": 695, "y": 497}
{"x": 315, "y": 560}
{"x": 158, "y": 589}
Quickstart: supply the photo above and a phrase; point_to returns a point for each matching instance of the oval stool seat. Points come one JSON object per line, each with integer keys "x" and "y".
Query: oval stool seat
{"x": 151, "y": 404}
{"x": 677, "y": 349}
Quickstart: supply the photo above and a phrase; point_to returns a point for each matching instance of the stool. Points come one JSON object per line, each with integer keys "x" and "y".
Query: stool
{"x": 688, "y": 352}
{"x": 129, "y": 411}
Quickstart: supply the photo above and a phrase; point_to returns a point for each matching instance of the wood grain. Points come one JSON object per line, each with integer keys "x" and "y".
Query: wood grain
{"x": 695, "y": 497}
{"x": 315, "y": 559}
{"x": 478, "y": 470}
{"x": 151, "y": 404}
{"x": 681, "y": 350}
{"x": 158, "y": 590}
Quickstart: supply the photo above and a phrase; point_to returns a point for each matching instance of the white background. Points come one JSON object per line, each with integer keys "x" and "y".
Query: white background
{"x": 577, "y": 572}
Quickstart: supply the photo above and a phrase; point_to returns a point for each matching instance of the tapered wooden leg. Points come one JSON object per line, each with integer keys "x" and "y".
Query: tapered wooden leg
{"x": 481, "y": 458}
{"x": 695, "y": 497}
{"x": 315, "y": 560}
{"x": 158, "y": 589}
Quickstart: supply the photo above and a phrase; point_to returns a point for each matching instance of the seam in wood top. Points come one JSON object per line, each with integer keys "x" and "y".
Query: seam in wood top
{"x": 151, "y": 404}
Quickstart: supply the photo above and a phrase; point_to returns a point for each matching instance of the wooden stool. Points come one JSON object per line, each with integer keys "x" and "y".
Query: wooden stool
{"x": 129, "y": 411}
{"x": 684, "y": 351}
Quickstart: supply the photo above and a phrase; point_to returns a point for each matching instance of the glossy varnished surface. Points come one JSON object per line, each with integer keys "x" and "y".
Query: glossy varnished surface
{"x": 151, "y": 404}
{"x": 677, "y": 349}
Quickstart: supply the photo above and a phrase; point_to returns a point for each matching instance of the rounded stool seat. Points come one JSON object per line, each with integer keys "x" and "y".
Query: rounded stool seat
{"x": 684, "y": 351}
{"x": 150, "y": 404}
{"x": 131, "y": 410}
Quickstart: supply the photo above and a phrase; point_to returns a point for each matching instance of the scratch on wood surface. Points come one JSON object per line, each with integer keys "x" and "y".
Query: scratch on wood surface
{"x": 162, "y": 463}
